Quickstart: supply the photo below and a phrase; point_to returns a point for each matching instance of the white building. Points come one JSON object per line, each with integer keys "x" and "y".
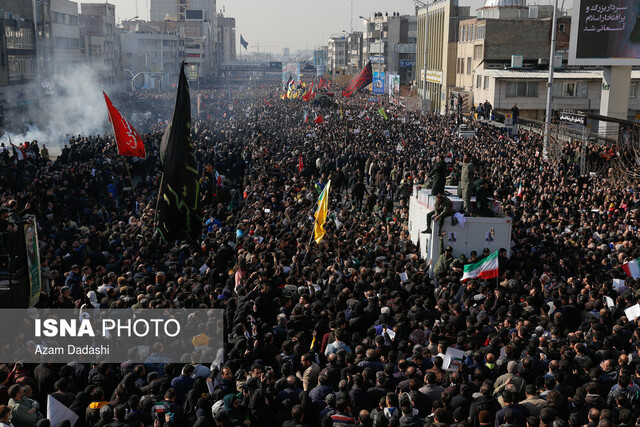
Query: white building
{"x": 573, "y": 90}
{"x": 337, "y": 54}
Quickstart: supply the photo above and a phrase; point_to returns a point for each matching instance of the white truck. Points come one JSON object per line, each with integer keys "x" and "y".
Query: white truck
{"x": 473, "y": 233}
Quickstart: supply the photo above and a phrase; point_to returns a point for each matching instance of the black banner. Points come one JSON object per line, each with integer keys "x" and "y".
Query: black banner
{"x": 359, "y": 81}
{"x": 179, "y": 198}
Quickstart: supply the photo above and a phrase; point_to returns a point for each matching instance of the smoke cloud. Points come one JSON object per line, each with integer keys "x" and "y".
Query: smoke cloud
{"x": 76, "y": 107}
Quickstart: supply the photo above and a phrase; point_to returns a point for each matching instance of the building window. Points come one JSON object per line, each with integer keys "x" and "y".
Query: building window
{"x": 481, "y": 30}
{"x": 522, "y": 89}
{"x": 576, "y": 89}
{"x": 633, "y": 90}
{"x": 478, "y": 82}
{"x": 561, "y": 28}
{"x": 474, "y": 31}
{"x": 477, "y": 52}
{"x": 21, "y": 67}
{"x": 469, "y": 65}
{"x": 486, "y": 82}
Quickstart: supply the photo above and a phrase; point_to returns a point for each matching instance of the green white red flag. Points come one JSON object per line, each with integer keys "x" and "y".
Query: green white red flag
{"x": 486, "y": 268}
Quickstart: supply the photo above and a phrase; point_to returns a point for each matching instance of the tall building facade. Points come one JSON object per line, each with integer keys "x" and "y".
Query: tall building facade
{"x": 225, "y": 39}
{"x": 337, "y": 54}
{"x": 437, "y": 52}
{"x": 65, "y": 36}
{"x": 177, "y": 9}
{"x": 97, "y": 23}
{"x": 389, "y": 42}
{"x": 19, "y": 83}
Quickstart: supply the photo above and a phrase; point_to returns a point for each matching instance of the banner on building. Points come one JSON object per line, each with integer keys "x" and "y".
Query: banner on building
{"x": 378, "y": 82}
{"x": 394, "y": 88}
{"x": 33, "y": 259}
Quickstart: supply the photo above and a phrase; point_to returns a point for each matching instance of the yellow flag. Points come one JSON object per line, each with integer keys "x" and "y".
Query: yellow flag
{"x": 321, "y": 214}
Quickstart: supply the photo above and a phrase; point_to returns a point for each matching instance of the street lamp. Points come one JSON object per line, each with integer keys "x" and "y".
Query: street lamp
{"x": 133, "y": 78}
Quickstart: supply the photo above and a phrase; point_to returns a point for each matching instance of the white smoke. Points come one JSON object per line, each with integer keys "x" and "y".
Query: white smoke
{"x": 76, "y": 107}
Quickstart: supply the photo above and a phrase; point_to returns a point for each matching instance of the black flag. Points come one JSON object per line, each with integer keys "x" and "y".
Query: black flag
{"x": 179, "y": 198}
{"x": 359, "y": 81}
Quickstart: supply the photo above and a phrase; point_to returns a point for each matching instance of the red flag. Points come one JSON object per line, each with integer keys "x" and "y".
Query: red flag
{"x": 128, "y": 141}
{"x": 319, "y": 119}
{"x": 307, "y": 96}
{"x": 300, "y": 164}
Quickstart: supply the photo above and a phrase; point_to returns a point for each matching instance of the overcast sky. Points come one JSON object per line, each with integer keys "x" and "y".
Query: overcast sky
{"x": 296, "y": 24}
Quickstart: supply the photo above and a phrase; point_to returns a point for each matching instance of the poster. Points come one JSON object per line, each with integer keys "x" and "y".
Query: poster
{"x": 291, "y": 70}
{"x": 378, "y": 82}
{"x": 452, "y": 359}
{"x": 33, "y": 259}
{"x": 57, "y": 412}
{"x": 394, "y": 88}
{"x": 490, "y": 237}
{"x": 453, "y": 237}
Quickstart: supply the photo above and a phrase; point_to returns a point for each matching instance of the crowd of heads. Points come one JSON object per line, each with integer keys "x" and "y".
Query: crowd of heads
{"x": 328, "y": 333}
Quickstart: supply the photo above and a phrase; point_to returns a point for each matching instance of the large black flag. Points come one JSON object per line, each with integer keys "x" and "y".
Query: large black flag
{"x": 179, "y": 198}
{"x": 359, "y": 81}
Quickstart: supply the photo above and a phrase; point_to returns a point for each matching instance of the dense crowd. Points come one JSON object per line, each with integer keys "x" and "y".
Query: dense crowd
{"x": 328, "y": 334}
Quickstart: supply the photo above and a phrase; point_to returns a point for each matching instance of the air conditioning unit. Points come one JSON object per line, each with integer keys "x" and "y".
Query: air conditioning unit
{"x": 557, "y": 61}
{"x": 516, "y": 61}
{"x": 543, "y": 61}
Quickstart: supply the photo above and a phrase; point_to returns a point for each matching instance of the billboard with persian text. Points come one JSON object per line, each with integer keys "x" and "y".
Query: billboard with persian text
{"x": 605, "y": 32}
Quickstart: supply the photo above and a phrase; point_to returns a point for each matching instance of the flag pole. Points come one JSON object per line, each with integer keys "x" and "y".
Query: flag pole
{"x": 126, "y": 166}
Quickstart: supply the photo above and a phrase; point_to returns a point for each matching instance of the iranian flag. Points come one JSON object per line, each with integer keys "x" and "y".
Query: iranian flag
{"x": 632, "y": 268}
{"x": 486, "y": 268}
{"x": 18, "y": 152}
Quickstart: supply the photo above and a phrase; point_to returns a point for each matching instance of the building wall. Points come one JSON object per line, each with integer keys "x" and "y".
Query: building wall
{"x": 209, "y": 6}
{"x": 354, "y": 54}
{"x": 337, "y": 53}
{"x": 437, "y": 58}
{"x": 65, "y": 36}
{"x": 141, "y": 52}
{"x": 470, "y": 53}
{"x": 227, "y": 38}
{"x": 534, "y": 107}
{"x": 528, "y": 37}
{"x": 97, "y": 39}
{"x": 19, "y": 85}
{"x": 161, "y": 8}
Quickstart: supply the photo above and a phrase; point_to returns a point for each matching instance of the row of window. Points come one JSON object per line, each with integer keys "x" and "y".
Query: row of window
{"x": 460, "y": 66}
{"x": 471, "y": 32}
{"x": 66, "y": 43}
{"x": 19, "y": 39}
{"x": 21, "y": 67}
{"x": 529, "y": 89}
{"x": 65, "y": 19}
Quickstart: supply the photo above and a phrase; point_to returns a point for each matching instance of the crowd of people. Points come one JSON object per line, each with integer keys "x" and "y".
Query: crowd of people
{"x": 329, "y": 334}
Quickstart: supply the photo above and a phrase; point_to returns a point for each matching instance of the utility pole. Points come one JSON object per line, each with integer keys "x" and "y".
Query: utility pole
{"x": 552, "y": 52}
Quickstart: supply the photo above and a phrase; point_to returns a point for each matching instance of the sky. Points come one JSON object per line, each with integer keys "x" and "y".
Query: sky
{"x": 270, "y": 25}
